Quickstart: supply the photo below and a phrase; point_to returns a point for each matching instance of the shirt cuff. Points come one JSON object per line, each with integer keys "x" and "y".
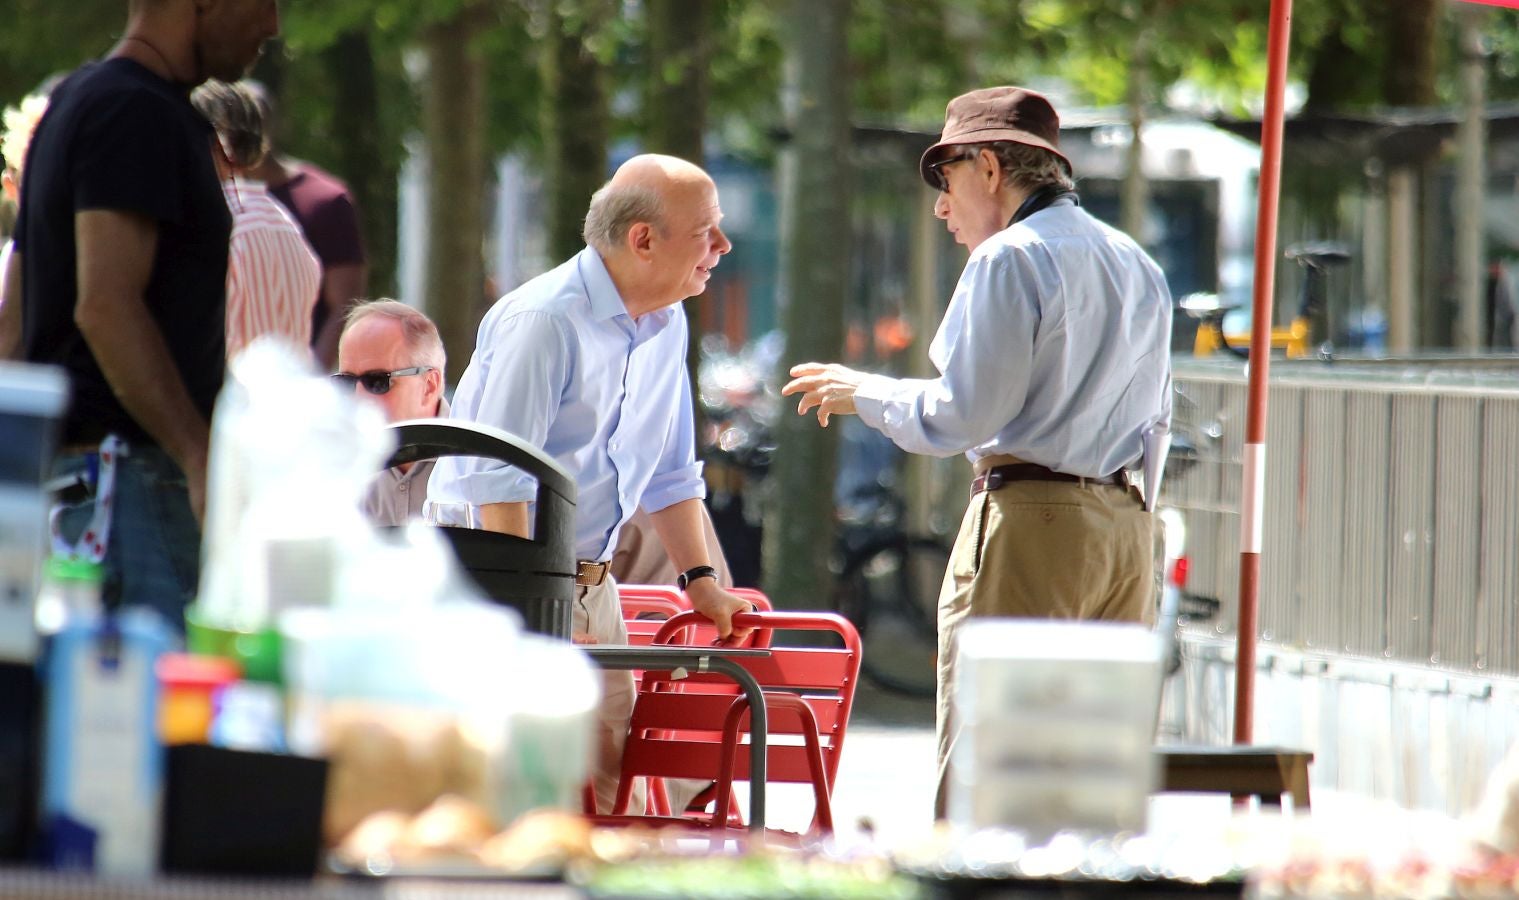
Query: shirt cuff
{"x": 503, "y": 485}
{"x": 667, "y": 490}
{"x": 870, "y": 400}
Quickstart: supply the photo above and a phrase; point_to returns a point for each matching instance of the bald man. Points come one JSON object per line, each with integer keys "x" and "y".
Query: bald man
{"x": 588, "y": 362}
{"x": 121, "y": 246}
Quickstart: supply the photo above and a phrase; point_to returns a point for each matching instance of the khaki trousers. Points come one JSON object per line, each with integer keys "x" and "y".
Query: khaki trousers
{"x": 1042, "y": 549}
{"x": 599, "y": 614}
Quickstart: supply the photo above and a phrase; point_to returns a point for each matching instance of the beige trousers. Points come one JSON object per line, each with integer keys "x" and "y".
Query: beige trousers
{"x": 1042, "y": 549}
{"x": 599, "y": 614}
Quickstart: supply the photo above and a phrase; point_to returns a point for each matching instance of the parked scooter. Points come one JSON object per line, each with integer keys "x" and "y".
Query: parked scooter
{"x": 1295, "y": 340}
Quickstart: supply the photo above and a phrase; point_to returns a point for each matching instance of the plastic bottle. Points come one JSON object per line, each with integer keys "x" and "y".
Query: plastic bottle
{"x": 70, "y": 591}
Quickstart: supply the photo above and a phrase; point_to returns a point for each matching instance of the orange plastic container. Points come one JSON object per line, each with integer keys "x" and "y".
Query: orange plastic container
{"x": 187, "y": 685}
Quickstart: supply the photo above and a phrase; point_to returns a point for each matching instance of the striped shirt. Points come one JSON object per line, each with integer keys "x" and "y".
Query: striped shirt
{"x": 273, "y": 277}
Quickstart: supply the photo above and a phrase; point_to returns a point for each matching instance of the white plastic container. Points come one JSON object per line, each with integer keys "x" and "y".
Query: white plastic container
{"x": 103, "y": 766}
{"x": 31, "y": 400}
{"x": 1057, "y": 721}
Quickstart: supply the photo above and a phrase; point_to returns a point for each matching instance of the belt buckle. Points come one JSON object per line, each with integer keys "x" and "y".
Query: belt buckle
{"x": 993, "y": 480}
{"x": 590, "y": 574}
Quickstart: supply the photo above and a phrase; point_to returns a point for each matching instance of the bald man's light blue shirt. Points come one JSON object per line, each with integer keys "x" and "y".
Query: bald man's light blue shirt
{"x": 560, "y": 363}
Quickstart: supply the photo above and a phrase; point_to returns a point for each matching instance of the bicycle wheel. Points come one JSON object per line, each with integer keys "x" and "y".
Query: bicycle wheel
{"x": 892, "y": 594}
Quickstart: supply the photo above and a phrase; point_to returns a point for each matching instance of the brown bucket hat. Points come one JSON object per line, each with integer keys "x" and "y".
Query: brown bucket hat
{"x": 996, "y": 114}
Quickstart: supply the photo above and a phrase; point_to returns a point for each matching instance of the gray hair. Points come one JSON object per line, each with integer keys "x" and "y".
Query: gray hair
{"x": 615, "y": 210}
{"x": 234, "y": 112}
{"x": 419, "y": 332}
{"x": 1027, "y": 167}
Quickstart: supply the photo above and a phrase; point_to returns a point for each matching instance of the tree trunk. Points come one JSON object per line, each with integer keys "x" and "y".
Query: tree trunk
{"x": 575, "y": 124}
{"x": 1334, "y": 74}
{"x": 1471, "y": 184}
{"x": 675, "y": 116}
{"x": 1135, "y": 198}
{"x": 815, "y": 257}
{"x": 364, "y": 153}
{"x": 1408, "y": 75}
{"x": 453, "y": 112}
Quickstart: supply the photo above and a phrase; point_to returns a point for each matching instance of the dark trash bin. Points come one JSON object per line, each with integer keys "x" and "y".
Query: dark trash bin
{"x": 534, "y": 576}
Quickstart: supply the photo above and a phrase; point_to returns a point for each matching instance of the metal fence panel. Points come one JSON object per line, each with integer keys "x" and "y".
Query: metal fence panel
{"x": 1323, "y": 534}
{"x": 1411, "y": 528}
{"x": 1281, "y": 587}
{"x": 1363, "y": 569}
{"x": 1458, "y": 523}
{"x": 1392, "y": 508}
{"x": 1498, "y": 592}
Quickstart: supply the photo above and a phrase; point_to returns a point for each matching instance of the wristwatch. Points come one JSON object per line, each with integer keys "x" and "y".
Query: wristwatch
{"x": 690, "y": 575}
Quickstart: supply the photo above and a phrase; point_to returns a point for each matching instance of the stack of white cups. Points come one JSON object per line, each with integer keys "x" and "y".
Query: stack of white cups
{"x": 1057, "y": 723}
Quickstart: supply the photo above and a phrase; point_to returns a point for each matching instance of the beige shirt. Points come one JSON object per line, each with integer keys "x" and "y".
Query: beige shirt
{"x": 394, "y": 496}
{"x": 640, "y": 556}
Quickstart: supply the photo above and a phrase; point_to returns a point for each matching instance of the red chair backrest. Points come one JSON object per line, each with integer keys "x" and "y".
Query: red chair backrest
{"x": 646, "y": 607}
{"x": 699, "y": 631}
{"x": 651, "y": 598}
{"x": 676, "y": 729}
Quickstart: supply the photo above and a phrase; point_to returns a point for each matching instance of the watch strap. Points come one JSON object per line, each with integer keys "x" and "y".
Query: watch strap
{"x": 685, "y": 578}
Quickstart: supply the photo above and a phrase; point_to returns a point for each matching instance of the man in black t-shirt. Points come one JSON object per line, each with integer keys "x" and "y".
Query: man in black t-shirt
{"x": 121, "y": 245}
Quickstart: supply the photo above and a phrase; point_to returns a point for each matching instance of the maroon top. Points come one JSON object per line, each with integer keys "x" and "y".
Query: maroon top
{"x": 324, "y": 208}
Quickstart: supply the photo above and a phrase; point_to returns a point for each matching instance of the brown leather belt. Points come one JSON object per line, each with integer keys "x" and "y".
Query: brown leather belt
{"x": 590, "y": 574}
{"x": 997, "y": 476}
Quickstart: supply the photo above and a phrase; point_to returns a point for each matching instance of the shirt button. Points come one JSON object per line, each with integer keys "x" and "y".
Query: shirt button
{"x": 402, "y": 486}
{"x": 1049, "y": 515}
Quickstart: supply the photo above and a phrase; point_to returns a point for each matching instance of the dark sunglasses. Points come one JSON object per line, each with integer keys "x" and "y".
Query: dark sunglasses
{"x": 939, "y": 178}
{"x": 376, "y": 383}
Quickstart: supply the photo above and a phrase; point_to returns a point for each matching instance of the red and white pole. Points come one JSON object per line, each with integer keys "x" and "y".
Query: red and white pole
{"x": 1253, "y": 496}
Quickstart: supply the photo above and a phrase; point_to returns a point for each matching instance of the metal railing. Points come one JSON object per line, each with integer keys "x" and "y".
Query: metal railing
{"x": 1392, "y": 506}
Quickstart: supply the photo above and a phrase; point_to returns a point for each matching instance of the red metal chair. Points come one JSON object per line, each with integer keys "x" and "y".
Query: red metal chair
{"x": 695, "y": 727}
{"x": 646, "y": 607}
{"x": 699, "y": 630}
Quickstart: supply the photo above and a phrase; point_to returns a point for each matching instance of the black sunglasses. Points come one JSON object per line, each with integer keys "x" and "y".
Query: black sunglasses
{"x": 941, "y": 182}
{"x": 376, "y": 383}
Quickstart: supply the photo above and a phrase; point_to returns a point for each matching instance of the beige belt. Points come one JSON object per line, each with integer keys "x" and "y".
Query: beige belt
{"x": 590, "y": 574}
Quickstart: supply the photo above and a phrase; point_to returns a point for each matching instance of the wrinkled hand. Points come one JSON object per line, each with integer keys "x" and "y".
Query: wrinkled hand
{"x": 719, "y": 606}
{"x": 829, "y": 387}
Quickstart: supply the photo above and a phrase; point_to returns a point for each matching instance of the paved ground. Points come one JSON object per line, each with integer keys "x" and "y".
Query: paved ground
{"x": 886, "y": 775}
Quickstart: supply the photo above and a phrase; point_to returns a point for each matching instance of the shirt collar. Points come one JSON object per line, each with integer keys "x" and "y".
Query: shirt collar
{"x": 606, "y": 302}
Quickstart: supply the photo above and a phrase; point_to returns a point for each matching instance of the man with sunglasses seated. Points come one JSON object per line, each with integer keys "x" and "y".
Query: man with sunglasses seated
{"x": 391, "y": 354}
{"x": 587, "y": 361}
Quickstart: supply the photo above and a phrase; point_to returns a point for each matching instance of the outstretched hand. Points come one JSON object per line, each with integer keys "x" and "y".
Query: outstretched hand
{"x": 828, "y": 387}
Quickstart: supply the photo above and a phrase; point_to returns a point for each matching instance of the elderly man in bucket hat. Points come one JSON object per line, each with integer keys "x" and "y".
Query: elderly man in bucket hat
{"x": 1054, "y": 361}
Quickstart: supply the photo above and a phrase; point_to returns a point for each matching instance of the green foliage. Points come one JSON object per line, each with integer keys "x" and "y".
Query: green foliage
{"x": 905, "y": 62}
{"x": 1503, "y": 41}
{"x": 43, "y": 37}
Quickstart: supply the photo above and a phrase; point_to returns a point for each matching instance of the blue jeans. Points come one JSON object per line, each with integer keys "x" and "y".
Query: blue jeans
{"x": 152, "y": 558}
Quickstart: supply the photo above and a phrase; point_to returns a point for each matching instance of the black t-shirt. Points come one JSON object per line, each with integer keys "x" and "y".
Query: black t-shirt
{"x": 118, "y": 137}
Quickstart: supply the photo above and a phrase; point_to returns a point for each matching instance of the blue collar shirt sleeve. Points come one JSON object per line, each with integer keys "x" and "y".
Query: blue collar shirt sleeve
{"x": 1055, "y": 349}
{"x": 559, "y": 363}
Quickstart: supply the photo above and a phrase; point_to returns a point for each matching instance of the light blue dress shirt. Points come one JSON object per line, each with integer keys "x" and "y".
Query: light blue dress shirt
{"x": 560, "y": 363}
{"x": 1055, "y": 349}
